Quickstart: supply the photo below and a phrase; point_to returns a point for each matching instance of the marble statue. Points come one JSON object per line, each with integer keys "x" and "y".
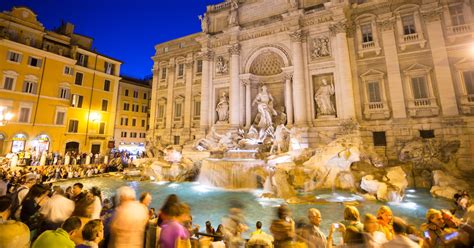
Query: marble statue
{"x": 320, "y": 47}
{"x": 233, "y": 16}
{"x": 323, "y": 98}
{"x": 221, "y": 65}
{"x": 264, "y": 101}
{"x": 281, "y": 139}
{"x": 222, "y": 109}
{"x": 204, "y": 23}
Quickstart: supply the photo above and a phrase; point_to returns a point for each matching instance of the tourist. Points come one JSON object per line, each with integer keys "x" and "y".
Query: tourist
{"x": 375, "y": 238}
{"x": 258, "y": 229}
{"x": 283, "y": 228}
{"x": 3, "y": 185}
{"x": 12, "y": 233}
{"x": 311, "y": 233}
{"x": 353, "y": 238}
{"x": 259, "y": 238}
{"x": 97, "y": 206}
{"x": 83, "y": 210}
{"x": 127, "y": 227}
{"x": 77, "y": 193}
{"x": 172, "y": 230}
{"x": 92, "y": 233}
{"x": 56, "y": 210}
{"x": 219, "y": 233}
{"x": 339, "y": 227}
{"x": 234, "y": 225}
{"x": 384, "y": 217}
{"x": 400, "y": 238}
{"x": 152, "y": 214}
{"x": 61, "y": 237}
{"x": 433, "y": 229}
{"x": 163, "y": 215}
{"x": 145, "y": 199}
{"x": 20, "y": 194}
{"x": 34, "y": 200}
{"x": 352, "y": 218}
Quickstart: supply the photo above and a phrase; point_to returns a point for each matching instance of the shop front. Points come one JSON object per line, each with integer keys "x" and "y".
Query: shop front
{"x": 134, "y": 149}
{"x": 18, "y": 143}
{"x": 40, "y": 144}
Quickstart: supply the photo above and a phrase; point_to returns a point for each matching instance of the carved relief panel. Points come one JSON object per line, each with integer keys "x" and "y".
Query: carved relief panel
{"x": 320, "y": 47}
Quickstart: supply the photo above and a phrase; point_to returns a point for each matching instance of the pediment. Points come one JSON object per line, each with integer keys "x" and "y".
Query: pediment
{"x": 372, "y": 73}
{"x": 417, "y": 67}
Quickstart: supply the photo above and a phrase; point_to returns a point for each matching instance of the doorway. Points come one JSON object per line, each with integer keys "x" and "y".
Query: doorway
{"x": 95, "y": 148}
{"x": 72, "y": 147}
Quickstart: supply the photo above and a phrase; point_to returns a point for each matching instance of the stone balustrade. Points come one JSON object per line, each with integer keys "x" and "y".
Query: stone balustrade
{"x": 376, "y": 110}
{"x": 219, "y": 6}
{"x": 366, "y": 45}
{"x": 459, "y": 29}
{"x": 410, "y": 37}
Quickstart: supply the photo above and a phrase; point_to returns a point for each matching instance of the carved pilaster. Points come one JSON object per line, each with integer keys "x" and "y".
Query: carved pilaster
{"x": 207, "y": 55}
{"x": 338, "y": 27}
{"x": 234, "y": 49}
{"x": 288, "y": 76}
{"x": 432, "y": 14}
{"x": 297, "y": 36}
{"x": 386, "y": 23}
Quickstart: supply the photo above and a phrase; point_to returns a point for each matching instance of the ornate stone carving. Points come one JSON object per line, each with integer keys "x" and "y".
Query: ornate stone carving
{"x": 288, "y": 76}
{"x": 432, "y": 15}
{"x": 266, "y": 64}
{"x": 293, "y": 4}
{"x": 324, "y": 103}
{"x": 338, "y": 27}
{"x": 207, "y": 55}
{"x": 204, "y": 23}
{"x": 320, "y": 47}
{"x": 297, "y": 36}
{"x": 234, "y": 49}
{"x": 386, "y": 23}
{"x": 222, "y": 65}
{"x": 234, "y": 14}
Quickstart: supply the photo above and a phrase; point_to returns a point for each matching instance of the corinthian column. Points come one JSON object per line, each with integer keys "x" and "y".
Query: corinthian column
{"x": 288, "y": 98}
{"x": 188, "y": 91}
{"x": 207, "y": 56}
{"x": 299, "y": 91}
{"x": 343, "y": 86}
{"x": 234, "y": 95}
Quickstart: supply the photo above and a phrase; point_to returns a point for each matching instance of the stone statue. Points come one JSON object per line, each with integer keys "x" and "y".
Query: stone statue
{"x": 320, "y": 47}
{"x": 281, "y": 139}
{"x": 233, "y": 16}
{"x": 204, "y": 23}
{"x": 264, "y": 101}
{"x": 323, "y": 98}
{"x": 221, "y": 65}
{"x": 222, "y": 109}
{"x": 293, "y": 4}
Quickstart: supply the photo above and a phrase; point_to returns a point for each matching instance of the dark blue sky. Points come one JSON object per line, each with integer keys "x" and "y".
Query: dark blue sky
{"x": 124, "y": 29}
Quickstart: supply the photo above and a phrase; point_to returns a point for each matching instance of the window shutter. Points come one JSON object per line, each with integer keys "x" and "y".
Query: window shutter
{"x": 19, "y": 58}
{"x": 25, "y": 86}
{"x": 29, "y": 60}
{"x": 40, "y": 62}
{"x": 34, "y": 88}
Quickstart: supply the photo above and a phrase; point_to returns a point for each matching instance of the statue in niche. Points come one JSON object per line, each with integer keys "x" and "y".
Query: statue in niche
{"x": 221, "y": 65}
{"x": 323, "y": 98}
{"x": 233, "y": 16}
{"x": 264, "y": 101}
{"x": 320, "y": 47}
{"x": 222, "y": 109}
{"x": 204, "y": 23}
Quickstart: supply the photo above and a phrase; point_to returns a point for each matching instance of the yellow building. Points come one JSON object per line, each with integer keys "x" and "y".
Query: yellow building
{"x": 131, "y": 122}
{"x": 61, "y": 92}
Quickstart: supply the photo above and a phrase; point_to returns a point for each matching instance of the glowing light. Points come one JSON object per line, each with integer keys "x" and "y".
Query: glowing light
{"x": 94, "y": 116}
{"x": 4, "y": 117}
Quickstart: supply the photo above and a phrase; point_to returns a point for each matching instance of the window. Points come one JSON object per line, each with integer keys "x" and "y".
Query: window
{"x": 181, "y": 45}
{"x": 134, "y": 122}
{"x": 123, "y": 134}
{"x": 76, "y": 101}
{"x": 176, "y": 140}
{"x": 24, "y": 115}
{"x": 124, "y": 121}
{"x": 373, "y": 88}
{"x": 29, "y": 87}
{"x": 180, "y": 70}
{"x": 163, "y": 73}
{"x": 125, "y": 93}
{"x": 133, "y": 135}
{"x": 102, "y": 128}
{"x": 199, "y": 67}
{"x": 82, "y": 59}
{"x": 109, "y": 68}
{"x": 144, "y": 108}
{"x": 142, "y": 135}
{"x": 60, "y": 116}
{"x": 79, "y": 77}
{"x": 64, "y": 93}
{"x": 408, "y": 24}
{"x": 366, "y": 33}
{"x": 14, "y": 57}
{"x": 165, "y": 49}
{"x": 107, "y": 85}
{"x": 126, "y": 106}
{"x": 68, "y": 70}
{"x": 427, "y": 134}
{"x": 457, "y": 17}
{"x": 135, "y": 107}
{"x": 145, "y": 96}
{"x": 34, "y": 62}
{"x": 379, "y": 139}
{"x": 73, "y": 126}
{"x": 469, "y": 82}
{"x": 197, "y": 108}
{"x": 177, "y": 110}
{"x": 105, "y": 105}
{"x": 161, "y": 111}
{"x": 135, "y": 94}
{"x": 420, "y": 90}
{"x": 8, "y": 83}
{"x": 143, "y": 123}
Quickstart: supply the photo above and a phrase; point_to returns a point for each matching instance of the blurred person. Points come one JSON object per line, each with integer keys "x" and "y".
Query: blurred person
{"x": 259, "y": 238}
{"x": 61, "y": 237}
{"x": 219, "y": 233}
{"x": 127, "y": 227}
{"x": 433, "y": 229}
{"x": 152, "y": 214}
{"x": 375, "y": 238}
{"x": 37, "y": 197}
{"x": 56, "y": 210}
{"x": 163, "y": 215}
{"x": 20, "y": 193}
{"x": 172, "y": 229}
{"x": 311, "y": 233}
{"x": 400, "y": 239}
{"x": 12, "y": 233}
{"x": 234, "y": 225}
{"x": 352, "y": 218}
{"x": 83, "y": 209}
{"x": 283, "y": 228}
{"x": 93, "y": 234}
{"x": 97, "y": 206}
{"x": 77, "y": 193}
{"x": 258, "y": 229}
{"x": 385, "y": 217}
{"x": 145, "y": 199}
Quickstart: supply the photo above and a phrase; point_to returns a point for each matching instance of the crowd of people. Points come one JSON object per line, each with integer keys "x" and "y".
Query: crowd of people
{"x": 37, "y": 214}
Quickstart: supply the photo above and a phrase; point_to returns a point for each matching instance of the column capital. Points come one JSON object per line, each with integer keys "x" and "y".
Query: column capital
{"x": 206, "y": 55}
{"x": 338, "y": 27}
{"x": 234, "y": 49}
{"x": 386, "y": 23}
{"x": 288, "y": 75}
{"x": 433, "y": 14}
{"x": 297, "y": 36}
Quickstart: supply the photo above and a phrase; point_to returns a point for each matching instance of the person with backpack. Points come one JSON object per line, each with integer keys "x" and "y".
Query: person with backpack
{"x": 19, "y": 195}
{"x": 12, "y": 233}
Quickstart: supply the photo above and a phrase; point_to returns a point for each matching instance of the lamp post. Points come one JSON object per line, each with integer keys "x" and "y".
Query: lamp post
{"x": 5, "y": 116}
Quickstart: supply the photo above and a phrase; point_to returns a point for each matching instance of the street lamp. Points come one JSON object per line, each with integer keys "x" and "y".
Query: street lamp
{"x": 5, "y": 116}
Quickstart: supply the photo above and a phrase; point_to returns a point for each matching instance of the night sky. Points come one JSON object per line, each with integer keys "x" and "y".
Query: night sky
{"x": 124, "y": 29}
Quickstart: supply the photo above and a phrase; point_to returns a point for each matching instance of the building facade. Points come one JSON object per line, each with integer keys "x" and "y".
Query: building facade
{"x": 131, "y": 123}
{"x": 395, "y": 70}
{"x": 62, "y": 93}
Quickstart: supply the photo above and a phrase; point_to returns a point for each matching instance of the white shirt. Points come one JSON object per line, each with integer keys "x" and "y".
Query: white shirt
{"x": 57, "y": 209}
{"x": 97, "y": 205}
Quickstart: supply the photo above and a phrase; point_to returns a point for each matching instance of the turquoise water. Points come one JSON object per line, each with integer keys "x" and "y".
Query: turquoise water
{"x": 209, "y": 203}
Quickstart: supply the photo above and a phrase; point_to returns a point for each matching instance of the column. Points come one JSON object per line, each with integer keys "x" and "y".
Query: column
{"x": 188, "y": 91}
{"x": 442, "y": 70}
{"x": 154, "y": 100}
{"x": 288, "y": 98}
{"x": 299, "y": 91}
{"x": 395, "y": 86}
{"x": 248, "y": 110}
{"x": 242, "y": 104}
{"x": 206, "y": 58}
{"x": 343, "y": 69}
{"x": 234, "y": 90}
{"x": 169, "y": 97}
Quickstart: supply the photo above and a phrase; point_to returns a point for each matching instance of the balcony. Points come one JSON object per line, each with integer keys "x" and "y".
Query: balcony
{"x": 368, "y": 47}
{"x": 454, "y": 32}
{"x": 467, "y": 104}
{"x": 411, "y": 39}
{"x": 219, "y": 6}
{"x": 423, "y": 107}
{"x": 376, "y": 111}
